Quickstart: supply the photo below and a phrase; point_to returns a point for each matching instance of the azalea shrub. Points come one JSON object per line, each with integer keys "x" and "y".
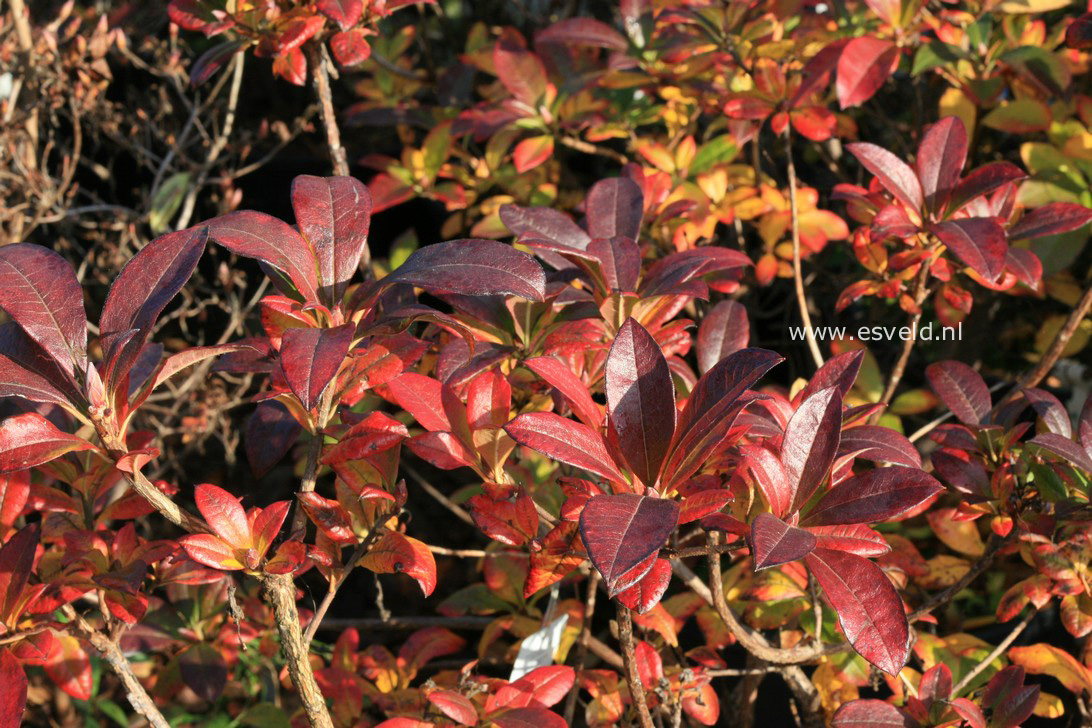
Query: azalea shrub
{"x": 650, "y": 433}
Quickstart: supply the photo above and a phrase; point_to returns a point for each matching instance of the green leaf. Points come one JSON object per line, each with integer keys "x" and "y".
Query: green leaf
{"x": 719, "y": 150}
{"x": 264, "y": 715}
{"x": 112, "y": 711}
{"x": 168, "y": 198}
{"x": 1047, "y": 482}
{"x": 403, "y": 247}
{"x": 1019, "y": 116}
{"x": 934, "y": 55}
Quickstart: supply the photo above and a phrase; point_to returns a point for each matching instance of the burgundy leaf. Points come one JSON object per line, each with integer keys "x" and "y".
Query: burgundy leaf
{"x": 895, "y": 175}
{"x": 558, "y": 375}
{"x": 702, "y": 503}
{"x": 863, "y": 66}
{"x": 16, "y": 563}
{"x": 1050, "y": 411}
{"x": 422, "y": 397}
{"x": 620, "y": 262}
{"x": 877, "y": 443}
{"x": 961, "y": 472}
{"x": 775, "y": 542}
{"x": 978, "y": 242}
{"x": 473, "y": 268}
{"x": 770, "y": 476}
{"x": 1084, "y": 426}
{"x": 961, "y": 389}
{"x": 941, "y": 155}
{"x": 877, "y": 495}
{"x": 615, "y": 207}
{"x": 139, "y": 294}
{"x": 39, "y": 290}
{"x": 519, "y": 70}
{"x": 870, "y": 713}
{"x": 209, "y": 63}
{"x": 869, "y": 609}
{"x": 544, "y": 222}
{"x": 1026, "y": 266}
{"x": 724, "y": 330}
{"x": 817, "y": 71}
{"x": 811, "y": 442}
{"x": 640, "y": 400}
{"x": 675, "y": 273}
{"x": 583, "y": 31}
{"x": 711, "y": 410}
{"x": 202, "y": 669}
{"x": 983, "y": 181}
{"x": 333, "y": 215}
{"x": 310, "y": 358}
{"x": 29, "y": 356}
{"x": 272, "y": 241}
{"x": 455, "y": 706}
{"x": 1050, "y": 219}
{"x": 346, "y": 13}
{"x": 620, "y": 532}
{"x": 15, "y": 381}
{"x": 532, "y": 716}
{"x": 936, "y": 683}
{"x": 646, "y": 593}
{"x": 29, "y": 439}
{"x": 1065, "y": 448}
{"x": 855, "y": 539}
{"x": 839, "y": 371}
{"x": 270, "y": 432}
{"x": 194, "y": 355}
{"x": 565, "y": 440}
{"x": 13, "y": 690}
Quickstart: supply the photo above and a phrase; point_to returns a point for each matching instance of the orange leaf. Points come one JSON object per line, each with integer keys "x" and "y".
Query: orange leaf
{"x": 396, "y": 553}
{"x": 1043, "y": 659}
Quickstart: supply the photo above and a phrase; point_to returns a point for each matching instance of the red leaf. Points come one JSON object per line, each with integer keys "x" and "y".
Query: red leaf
{"x": 211, "y": 551}
{"x": 1050, "y": 219}
{"x": 878, "y": 443}
{"x": 870, "y": 713}
{"x": 647, "y": 592}
{"x": 14, "y": 492}
{"x": 817, "y": 71}
{"x": 983, "y": 181}
{"x": 542, "y": 687}
{"x": 1051, "y": 412}
{"x": 374, "y": 434}
{"x": 961, "y": 389}
{"x": 620, "y": 532}
{"x": 895, "y": 175}
{"x": 211, "y": 61}
{"x": 776, "y": 542}
{"x": 19, "y": 381}
{"x": 519, "y": 70}
{"x": 1064, "y": 447}
{"x": 769, "y": 474}
{"x": 711, "y": 409}
{"x": 511, "y": 520}
{"x": 333, "y": 215}
{"x": 532, "y": 152}
{"x": 224, "y": 514}
{"x": 532, "y": 717}
{"x": 855, "y": 539}
{"x": 838, "y": 371}
{"x": 28, "y": 440}
{"x": 941, "y": 155}
{"x": 13, "y": 690}
{"x": 649, "y": 665}
{"x": 346, "y": 13}
{"x": 443, "y": 450}
{"x": 351, "y": 47}
{"x": 978, "y": 242}
{"x": 565, "y": 440}
{"x": 69, "y": 667}
{"x": 619, "y": 261}
{"x": 272, "y": 241}
{"x": 864, "y": 65}
{"x": 583, "y": 31}
{"x": 455, "y": 706}
{"x": 397, "y": 553}
{"x": 329, "y": 517}
{"x": 640, "y": 400}
{"x": 724, "y": 330}
{"x": 877, "y": 495}
{"x": 310, "y": 358}
{"x": 558, "y": 375}
{"x": 615, "y": 207}
{"x": 420, "y": 396}
{"x": 16, "y": 563}
{"x": 271, "y": 430}
{"x": 699, "y": 505}
{"x": 203, "y": 670}
{"x": 811, "y": 442}
{"x": 40, "y": 292}
{"x": 544, "y": 222}
{"x": 869, "y": 609}
{"x": 473, "y": 268}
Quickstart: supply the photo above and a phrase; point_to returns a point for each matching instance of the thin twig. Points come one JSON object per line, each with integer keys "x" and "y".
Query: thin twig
{"x": 354, "y": 559}
{"x": 797, "y": 276}
{"x": 588, "y": 148}
{"x": 993, "y": 545}
{"x": 921, "y": 291}
{"x": 582, "y": 644}
{"x": 321, "y": 76}
{"x": 1050, "y": 358}
{"x": 629, "y": 655}
{"x": 997, "y": 652}
{"x": 440, "y": 497}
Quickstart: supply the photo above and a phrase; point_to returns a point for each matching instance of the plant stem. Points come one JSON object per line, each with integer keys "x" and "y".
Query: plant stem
{"x": 321, "y": 76}
{"x": 921, "y": 291}
{"x": 582, "y": 644}
{"x": 797, "y": 276}
{"x": 1050, "y": 358}
{"x": 280, "y": 591}
{"x": 358, "y": 553}
{"x": 997, "y": 652}
{"x": 629, "y": 656}
{"x": 311, "y": 467}
{"x": 993, "y": 545}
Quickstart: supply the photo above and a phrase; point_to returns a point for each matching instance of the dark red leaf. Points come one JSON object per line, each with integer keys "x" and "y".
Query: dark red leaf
{"x": 983, "y": 181}
{"x": 203, "y": 670}
{"x": 69, "y": 666}
{"x": 622, "y": 531}
{"x": 13, "y": 690}
{"x": 16, "y": 563}
{"x": 869, "y": 609}
{"x": 978, "y": 242}
{"x": 473, "y": 268}
{"x": 775, "y": 542}
{"x": 422, "y": 397}
{"x": 29, "y": 439}
{"x": 961, "y": 389}
{"x": 583, "y": 31}
{"x": 1026, "y": 266}
{"x": 878, "y": 443}
{"x": 863, "y": 66}
{"x": 530, "y": 717}
{"x": 1064, "y": 447}
{"x": 333, "y": 215}
{"x": 1079, "y": 32}
{"x": 16, "y": 381}
{"x": 769, "y": 475}
{"x": 211, "y": 61}
{"x": 615, "y": 207}
{"x": 646, "y": 593}
{"x": 816, "y": 72}
{"x": 558, "y": 375}
{"x": 619, "y": 261}
{"x": 310, "y": 359}
{"x": 565, "y": 440}
{"x": 895, "y": 175}
{"x": 640, "y": 400}
{"x": 14, "y": 493}
{"x": 724, "y": 330}
{"x": 810, "y": 443}
{"x": 519, "y": 70}
{"x": 544, "y": 222}
{"x": 1050, "y": 219}
{"x": 877, "y": 495}
{"x": 941, "y": 155}
{"x": 936, "y": 683}
{"x": 346, "y": 13}
{"x": 272, "y": 241}
{"x": 839, "y": 371}
{"x": 711, "y": 410}
{"x": 271, "y": 430}
{"x": 455, "y": 706}
{"x": 855, "y": 539}
{"x": 870, "y": 713}
{"x": 1050, "y": 411}
{"x": 351, "y": 47}
{"x": 39, "y": 290}
{"x": 700, "y": 504}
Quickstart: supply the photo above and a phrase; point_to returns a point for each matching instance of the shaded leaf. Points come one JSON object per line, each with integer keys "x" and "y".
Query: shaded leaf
{"x": 647, "y": 592}
{"x": 724, "y": 330}
{"x": 333, "y": 215}
{"x": 961, "y": 389}
{"x": 565, "y": 440}
{"x": 583, "y": 31}
{"x": 621, "y": 532}
{"x": 775, "y": 542}
{"x": 558, "y": 374}
{"x": 396, "y": 553}
{"x": 877, "y": 495}
{"x": 272, "y": 241}
{"x": 310, "y": 358}
{"x": 473, "y": 268}
{"x": 940, "y": 159}
{"x": 1050, "y": 219}
{"x": 13, "y": 690}
{"x": 615, "y": 207}
{"x": 811, "y": 442}
{"x": 978, "y": 242}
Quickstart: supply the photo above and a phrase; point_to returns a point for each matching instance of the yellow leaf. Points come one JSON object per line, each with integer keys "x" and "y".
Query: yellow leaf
{"x": 1044, "y": 659}
{"x": 1032, "y": 6}
{"x": 1049, "y": 706}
